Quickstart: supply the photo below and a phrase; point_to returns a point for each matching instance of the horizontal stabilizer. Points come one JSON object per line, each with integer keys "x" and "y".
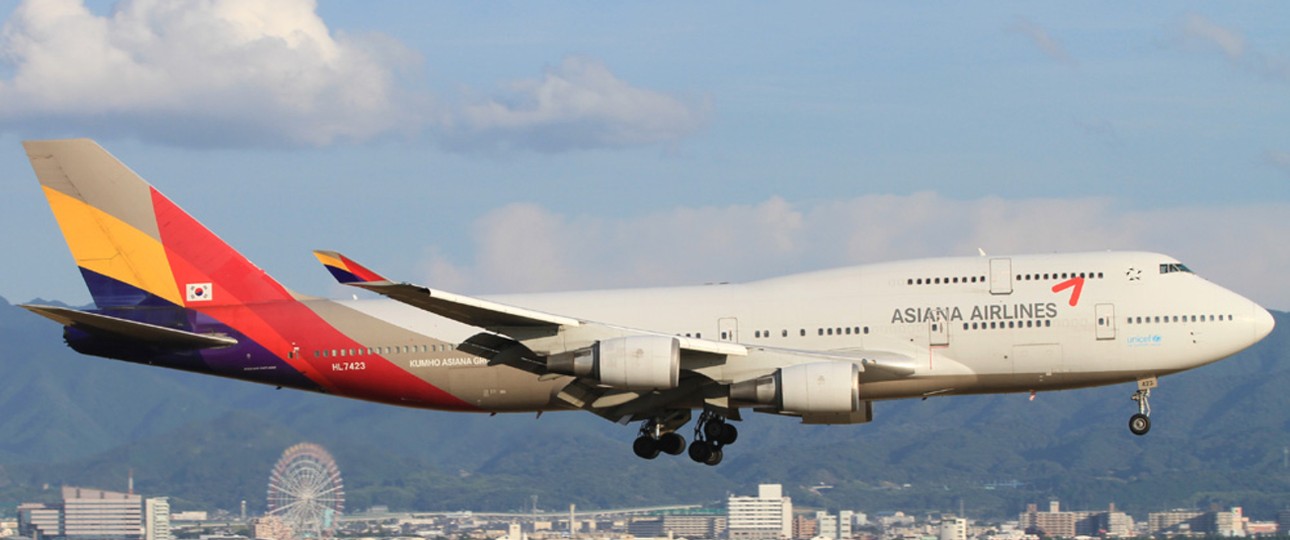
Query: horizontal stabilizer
{"x": 130, "y": 330}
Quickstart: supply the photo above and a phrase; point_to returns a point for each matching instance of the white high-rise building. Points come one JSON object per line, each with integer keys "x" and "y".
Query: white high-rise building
{"x": 953, "y": 529}
{"x": 768, "y": 516}
{"x": 836, "y": 527}
{"x": 156, "y": 519}
{"x": 40, "y": 521}
{"x": 94, "y": 513}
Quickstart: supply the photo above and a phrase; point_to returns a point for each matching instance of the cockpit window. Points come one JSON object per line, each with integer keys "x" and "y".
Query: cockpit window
{"x": 1169, "y": 268}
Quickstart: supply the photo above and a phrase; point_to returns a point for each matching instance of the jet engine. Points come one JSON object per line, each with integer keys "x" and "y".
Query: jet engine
{"x": 629, "y": 363}
{"x": 805, "y": 389}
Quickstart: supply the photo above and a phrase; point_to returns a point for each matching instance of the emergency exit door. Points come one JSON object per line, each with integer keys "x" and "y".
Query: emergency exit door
{"x": 1105, "y": 322}
{"x": 1000, "y": 276}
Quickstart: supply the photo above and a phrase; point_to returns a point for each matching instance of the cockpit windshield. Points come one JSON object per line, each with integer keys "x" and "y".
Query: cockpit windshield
{"x": 1169, "y": 268}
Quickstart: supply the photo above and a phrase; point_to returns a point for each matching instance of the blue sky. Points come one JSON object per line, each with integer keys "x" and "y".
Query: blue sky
{"x": 502, "y": 147}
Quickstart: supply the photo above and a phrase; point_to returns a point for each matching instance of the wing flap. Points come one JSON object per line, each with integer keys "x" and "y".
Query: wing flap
{"x": 127, "y": 329}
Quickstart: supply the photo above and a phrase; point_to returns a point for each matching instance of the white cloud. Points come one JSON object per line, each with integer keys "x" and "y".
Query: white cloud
{"x": 1279, "y": 159}
{"x": 576, "y": 105}
{"x": 528, "y": 248}
{"x": 1040, "y": 37}
{"x": 204, "y": 72}
{"x": 1231, "y": 42}
{"x": 1203, "y": 30}
{"x": 248, "y": 72}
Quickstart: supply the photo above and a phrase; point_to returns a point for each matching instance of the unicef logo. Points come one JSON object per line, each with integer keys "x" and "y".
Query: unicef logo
{"x": 1145, "y": 341}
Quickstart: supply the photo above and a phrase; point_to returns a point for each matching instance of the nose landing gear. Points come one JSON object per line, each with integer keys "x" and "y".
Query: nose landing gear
{"x": 1140, "y": 423}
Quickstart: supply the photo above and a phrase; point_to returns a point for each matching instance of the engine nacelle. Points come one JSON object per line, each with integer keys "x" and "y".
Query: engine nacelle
{"x": 629, "y": 363}
{"x": 803, "y": 389}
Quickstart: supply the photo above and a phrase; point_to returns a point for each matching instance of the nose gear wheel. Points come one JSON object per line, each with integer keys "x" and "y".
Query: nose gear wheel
{"x": 1140, "y": 424}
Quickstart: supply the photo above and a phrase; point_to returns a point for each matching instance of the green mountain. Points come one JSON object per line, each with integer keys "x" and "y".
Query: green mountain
{"x": 1220, "y": 436}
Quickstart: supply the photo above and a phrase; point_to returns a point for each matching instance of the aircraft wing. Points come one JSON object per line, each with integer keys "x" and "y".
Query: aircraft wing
{"x": 535, "y": 341}
{"x": 463, "y": 309}
{"x": 489, "y": 315}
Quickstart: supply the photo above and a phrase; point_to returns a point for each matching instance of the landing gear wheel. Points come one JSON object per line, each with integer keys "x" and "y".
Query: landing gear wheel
{"x": 671, "y": 443}
{"x": 700, "y": 451}
{"x": 714, "y": 458}
{"x": 713, "y": 429}
{"x": 711, "y": 434}
{"x": 728, "y": 434}
{"x": 1139, "y": 424}
{"x": 646, "y": 447}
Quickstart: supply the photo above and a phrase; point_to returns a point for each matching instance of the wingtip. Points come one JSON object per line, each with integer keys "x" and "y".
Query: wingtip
{"x": 344, "y": 269}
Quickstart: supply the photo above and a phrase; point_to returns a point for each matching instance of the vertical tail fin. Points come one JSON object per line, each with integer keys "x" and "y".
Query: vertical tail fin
{"x": 133, "y": 245}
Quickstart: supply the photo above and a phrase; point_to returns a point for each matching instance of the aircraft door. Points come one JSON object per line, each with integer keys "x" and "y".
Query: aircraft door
{"x": 938, "y": 332}
{"x": 728, "y": 329}
{"x": 1105, "y": 321}
{"x": 1000, "y": 276}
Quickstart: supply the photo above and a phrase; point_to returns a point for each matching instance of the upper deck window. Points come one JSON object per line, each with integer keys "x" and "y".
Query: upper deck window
{"x": 1169, "y": 268}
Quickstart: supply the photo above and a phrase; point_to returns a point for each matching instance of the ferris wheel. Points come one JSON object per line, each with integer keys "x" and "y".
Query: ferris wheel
{"x": 305, "y": 491}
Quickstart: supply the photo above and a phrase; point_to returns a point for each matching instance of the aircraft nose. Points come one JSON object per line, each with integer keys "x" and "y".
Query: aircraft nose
{"x": 1263, "y": 322}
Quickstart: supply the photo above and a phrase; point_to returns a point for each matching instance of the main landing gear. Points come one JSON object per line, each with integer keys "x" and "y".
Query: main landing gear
{"x": 658, "y": 435}
{"x": 1140, "y": 423}
{"x": 711, "y": 433}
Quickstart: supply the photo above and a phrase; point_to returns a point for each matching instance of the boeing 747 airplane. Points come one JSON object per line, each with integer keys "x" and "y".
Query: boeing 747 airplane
{"x": 820, "y": 346}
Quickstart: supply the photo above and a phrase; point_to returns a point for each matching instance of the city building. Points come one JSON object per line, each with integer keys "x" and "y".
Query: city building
{"x": 804, "y": 527}
{"x": 1230, "y": 522}
{"x": 86, "y": 514}
{"x": 686, "y": 525}
{"x": 40, "y": 521}
{"x": 953, "y": 529}
{"x": 156, "y": 519}
{"x": 94, "y": 513}
{"x": 768, "y": 516}
{"x": 1178, "y": 522}
{"x": 835, "y": 527}
{"x": 1261, "y": 528}
{"x": 1066, "y": 524}
{"x": 271, "y": 528}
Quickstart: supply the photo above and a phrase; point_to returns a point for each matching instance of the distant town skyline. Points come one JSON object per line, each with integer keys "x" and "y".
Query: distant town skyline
{"x": 89, "y": 514}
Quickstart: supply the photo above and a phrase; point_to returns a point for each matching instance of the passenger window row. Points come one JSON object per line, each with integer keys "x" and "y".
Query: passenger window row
{"x": 999, "y": 325}
{"x": 394, "y": 349}
{"x": 1059, "y": 275}
{"x": 945, "y": 280}
{"x": 764, "y": 334}
{"x": 835, "y": 331}
{"x": 1157, "y": 319}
